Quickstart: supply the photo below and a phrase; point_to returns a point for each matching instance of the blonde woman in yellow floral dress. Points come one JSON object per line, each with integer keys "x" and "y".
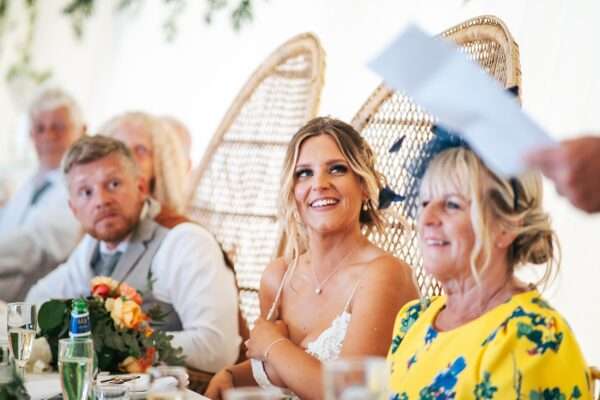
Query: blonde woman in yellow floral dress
{"x": 490, "y": 336}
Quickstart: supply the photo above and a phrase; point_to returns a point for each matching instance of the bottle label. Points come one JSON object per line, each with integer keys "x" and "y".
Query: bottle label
{"x": 80, "y": 325}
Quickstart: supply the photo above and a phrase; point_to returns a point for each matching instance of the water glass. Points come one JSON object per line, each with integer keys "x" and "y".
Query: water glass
{"x": 75, "y": 367}
{"x": 253, "y": 393}
{"x": 356, "y": 378}
{"x": 21, "y": 326}
{"x": 111, "y": 392}
{"x": 6, "y": 368}
{"x": 4, "y": 352}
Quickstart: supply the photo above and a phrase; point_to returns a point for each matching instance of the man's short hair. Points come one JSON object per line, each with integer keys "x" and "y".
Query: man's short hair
{"x": 91, "y": 148}
{"x": 52, "y": 99}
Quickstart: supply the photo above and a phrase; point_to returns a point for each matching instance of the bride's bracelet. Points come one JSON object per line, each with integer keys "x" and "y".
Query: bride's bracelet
{"x": 269, "y": 347}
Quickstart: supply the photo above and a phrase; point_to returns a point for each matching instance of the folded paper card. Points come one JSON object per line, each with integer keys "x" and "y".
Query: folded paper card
{"x": 462, "y": 97}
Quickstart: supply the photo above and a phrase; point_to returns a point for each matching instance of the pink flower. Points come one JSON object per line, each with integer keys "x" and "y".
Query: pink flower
{"x": 130, "y": 293}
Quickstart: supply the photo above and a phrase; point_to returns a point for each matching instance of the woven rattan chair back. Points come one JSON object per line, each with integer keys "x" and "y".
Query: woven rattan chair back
{"x": 389, "y": 115}
{"x": 237, "y": 182}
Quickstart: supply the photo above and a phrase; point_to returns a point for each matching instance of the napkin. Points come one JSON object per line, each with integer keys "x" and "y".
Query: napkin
{"x": 41, "y": 356}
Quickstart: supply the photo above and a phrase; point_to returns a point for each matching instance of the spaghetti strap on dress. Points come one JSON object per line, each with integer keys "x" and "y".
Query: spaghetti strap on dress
{"x": 327, "y": 346}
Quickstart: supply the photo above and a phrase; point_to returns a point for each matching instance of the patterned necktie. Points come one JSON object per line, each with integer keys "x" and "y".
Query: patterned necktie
{"x": 106, "y": 263}
{"x": 39, "y": 191}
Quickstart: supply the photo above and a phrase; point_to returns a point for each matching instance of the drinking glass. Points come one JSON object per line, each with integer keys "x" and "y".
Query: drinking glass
{"x": 21, "y": 325}
{"x": 356, "y": 378}
{"x": 6, "y": 371}
{"x": 253, "y": 393}
{"x": 4, "y": 352}
{"x": 111, "y": 392}
{"x": 75, "y": 367}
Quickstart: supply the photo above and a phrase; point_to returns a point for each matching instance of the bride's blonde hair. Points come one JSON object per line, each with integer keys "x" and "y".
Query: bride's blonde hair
{"x": 361, "y": 160}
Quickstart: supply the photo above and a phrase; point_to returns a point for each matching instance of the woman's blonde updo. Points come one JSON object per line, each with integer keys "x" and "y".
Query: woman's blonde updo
{"x": 515, "y": 204}
{"x": 361, "y": 160}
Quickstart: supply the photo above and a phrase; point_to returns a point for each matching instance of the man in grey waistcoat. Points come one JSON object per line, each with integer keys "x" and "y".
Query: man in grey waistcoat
{"x": 37, "y": 229}
{"x": 180, "y": 266}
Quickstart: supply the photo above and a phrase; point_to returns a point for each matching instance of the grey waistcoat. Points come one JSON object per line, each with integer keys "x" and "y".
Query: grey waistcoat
{"x": 134, "y": 265}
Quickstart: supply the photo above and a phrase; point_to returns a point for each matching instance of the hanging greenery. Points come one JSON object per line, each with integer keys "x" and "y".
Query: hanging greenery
{"x": 241, "y": 13}
{"x": 79, "y": 11}
{"x": 23, "y": 66}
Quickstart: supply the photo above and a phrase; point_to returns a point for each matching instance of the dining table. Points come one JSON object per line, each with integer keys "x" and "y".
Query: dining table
{"x": 46, "y": 385}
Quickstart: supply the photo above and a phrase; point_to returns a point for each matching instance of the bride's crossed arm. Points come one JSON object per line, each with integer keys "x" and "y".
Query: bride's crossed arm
{"x": 386, "y": 286}
{"x": 241, "y": 373}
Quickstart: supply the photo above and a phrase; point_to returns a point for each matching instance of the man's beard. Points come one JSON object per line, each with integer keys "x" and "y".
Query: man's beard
{"x": 115, "y": 235}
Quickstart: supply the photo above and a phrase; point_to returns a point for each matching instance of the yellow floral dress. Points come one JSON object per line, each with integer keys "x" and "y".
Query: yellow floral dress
{"x": 521, "y": 349}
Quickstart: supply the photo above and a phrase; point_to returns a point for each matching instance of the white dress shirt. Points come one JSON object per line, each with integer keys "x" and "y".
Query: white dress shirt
{"x": 190, "y": 274}
{"x": 35, "y": 238}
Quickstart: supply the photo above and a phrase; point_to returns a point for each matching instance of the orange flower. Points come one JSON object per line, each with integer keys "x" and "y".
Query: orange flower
{"x": 130, "y": 293}
{"x": 131, "y": 365}
{"x": 147, "y": 361}
{"x": 125, "y": 313}
{"x": 137, "y": 365}
{"x": 145, "y": 328}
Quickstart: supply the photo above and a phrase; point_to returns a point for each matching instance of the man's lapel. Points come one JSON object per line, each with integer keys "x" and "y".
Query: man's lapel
{"x": 143, "y": 233}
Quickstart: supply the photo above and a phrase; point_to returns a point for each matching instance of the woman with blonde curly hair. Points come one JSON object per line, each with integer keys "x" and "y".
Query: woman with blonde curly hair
{"x": 158, "y": 153}
{"x": 328, "y": 203}
{"x": 490, "y": 335}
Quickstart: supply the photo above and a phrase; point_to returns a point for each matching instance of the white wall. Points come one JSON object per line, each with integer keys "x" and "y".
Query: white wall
{"x": 125, "y": 64}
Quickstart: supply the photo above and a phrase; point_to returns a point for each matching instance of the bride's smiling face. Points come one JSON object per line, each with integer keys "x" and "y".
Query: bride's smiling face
{"x": 327, "y": 192}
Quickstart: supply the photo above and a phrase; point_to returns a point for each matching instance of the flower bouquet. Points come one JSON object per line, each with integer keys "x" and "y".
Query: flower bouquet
{"x": 123, "y": 334}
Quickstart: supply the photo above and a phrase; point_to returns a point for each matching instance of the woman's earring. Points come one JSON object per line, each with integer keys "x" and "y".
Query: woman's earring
{"x": 365, "y": 206}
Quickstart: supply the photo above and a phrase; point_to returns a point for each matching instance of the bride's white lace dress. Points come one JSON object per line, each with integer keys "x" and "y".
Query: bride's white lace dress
{"x": 326, "y": 347}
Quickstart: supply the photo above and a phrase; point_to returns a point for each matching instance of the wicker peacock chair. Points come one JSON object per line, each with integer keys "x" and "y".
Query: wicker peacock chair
{"x": 237, "y": 181}
{"x": 387, "y": 115}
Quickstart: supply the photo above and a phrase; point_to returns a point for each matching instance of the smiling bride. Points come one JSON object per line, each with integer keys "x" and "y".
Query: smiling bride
{"x": 334, "y": 293}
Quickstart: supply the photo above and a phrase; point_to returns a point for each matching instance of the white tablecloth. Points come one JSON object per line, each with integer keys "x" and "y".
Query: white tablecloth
{"x": 42, "y": 386}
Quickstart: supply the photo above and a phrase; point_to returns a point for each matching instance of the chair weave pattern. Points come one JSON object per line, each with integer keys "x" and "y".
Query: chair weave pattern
{"x": 389, "y": 115}
{"x": 237, "y": 183}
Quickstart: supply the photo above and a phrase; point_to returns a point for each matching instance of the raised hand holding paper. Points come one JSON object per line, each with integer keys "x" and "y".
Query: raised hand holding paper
{"x": 462, "y": 96}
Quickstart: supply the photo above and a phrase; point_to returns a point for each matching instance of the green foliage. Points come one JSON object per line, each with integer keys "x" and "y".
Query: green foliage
{"x": 111, "y": 343}
{"x": 23, "y": 67}
{"x": 79, "y": 11}
{"x": 242, "y": 14}
{"x": 53, "y": 320}
{"x": 3, "y": 12}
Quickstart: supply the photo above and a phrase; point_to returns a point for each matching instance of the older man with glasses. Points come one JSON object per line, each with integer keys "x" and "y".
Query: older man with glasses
{"x": 37, "y": 229}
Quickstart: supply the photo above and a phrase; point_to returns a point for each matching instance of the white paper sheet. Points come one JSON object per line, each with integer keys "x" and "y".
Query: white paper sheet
{"x": 463, "y": 97}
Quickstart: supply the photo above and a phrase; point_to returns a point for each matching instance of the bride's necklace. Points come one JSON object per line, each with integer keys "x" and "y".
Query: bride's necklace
{"x": 320, "y": 285}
